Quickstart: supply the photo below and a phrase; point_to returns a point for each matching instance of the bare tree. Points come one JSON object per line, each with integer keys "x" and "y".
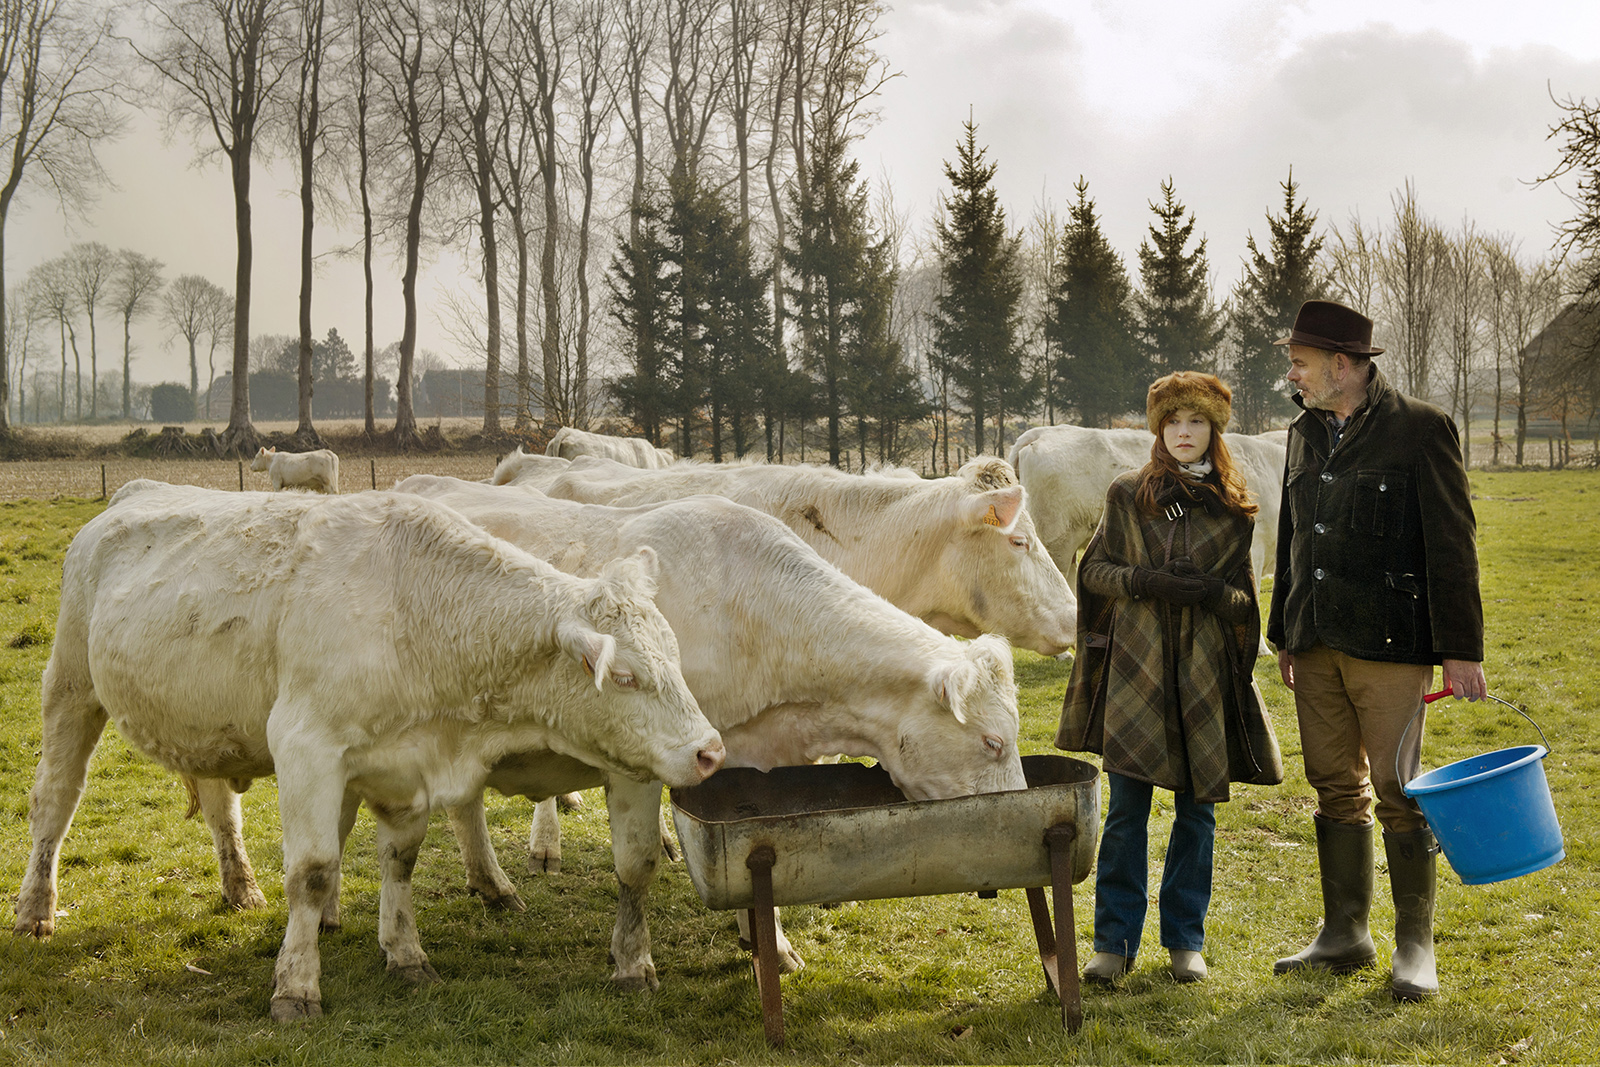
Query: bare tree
{"x": 477, "y": 32}
{"x": 413, "y": 84}
{"x": 55, "y": 93}
{"x": 1524, "y": 299}
{"x": 135, "y": 282}
{"x": 1462, "y": 309}
{"x": 51, "y": 283}
{"x": 185, "y": 308}
{"x": 217, "y": 313}
{"x": 1411, "y": 276}
{"x": 593, "y": 56}
{"x": 1354, "y": 259}
{"x": 221, "y": 62}
{"x": 1503, "y": 274}
{"x": 89, "y": 265}
{"x": 1041, "y": 252}
{"x": 315, "y": 40}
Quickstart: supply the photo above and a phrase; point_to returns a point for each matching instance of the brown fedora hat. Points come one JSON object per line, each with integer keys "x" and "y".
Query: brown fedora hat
{"x": 1332, "y": 327}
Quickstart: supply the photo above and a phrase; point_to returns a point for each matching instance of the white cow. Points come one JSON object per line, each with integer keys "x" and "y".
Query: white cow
{"x": 1067, "y": 470}
{"x": 570, "y": 443}
{"x": 528, "y": 468}
{"x": 960, "y": 553}
{"x": 790, "y": 659}
{"x": 373, "y": 648}
{"x": 317, "y": 470}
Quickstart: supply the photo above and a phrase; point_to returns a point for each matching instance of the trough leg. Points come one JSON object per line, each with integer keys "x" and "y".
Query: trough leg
{"x": 1058, "y": 946}
{"x": 764, "y": 942}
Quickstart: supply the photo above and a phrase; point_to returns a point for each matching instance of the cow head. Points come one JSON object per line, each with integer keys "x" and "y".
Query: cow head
{"x": 961, "y": 736}
{"x": 994, "y": 567}
{"x": 634, "y": 714}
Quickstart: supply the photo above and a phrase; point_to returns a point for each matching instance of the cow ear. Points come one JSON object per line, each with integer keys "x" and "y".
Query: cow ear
{"x": 998, "y": 508}
{"x": 950, "y": 685}
{"x": 635, "y": 573}
{"x": 589, "y": 647}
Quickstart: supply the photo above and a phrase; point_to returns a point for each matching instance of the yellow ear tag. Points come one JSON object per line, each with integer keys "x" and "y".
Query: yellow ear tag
{"x": 991, "y": 519}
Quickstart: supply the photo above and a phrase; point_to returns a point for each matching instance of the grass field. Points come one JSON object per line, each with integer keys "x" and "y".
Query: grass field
{"x": 148, "y": 966}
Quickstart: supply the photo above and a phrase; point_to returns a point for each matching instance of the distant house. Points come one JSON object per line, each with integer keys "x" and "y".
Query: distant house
{"x": 275, "y": 397}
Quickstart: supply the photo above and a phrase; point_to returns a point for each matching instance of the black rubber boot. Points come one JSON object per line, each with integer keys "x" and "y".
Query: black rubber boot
{"x": 1412, "y": 869}
{"x": 1344, "y": 944}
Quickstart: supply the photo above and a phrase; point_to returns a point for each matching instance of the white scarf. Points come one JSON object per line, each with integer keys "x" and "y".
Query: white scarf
{"x": 1197, "y": 470}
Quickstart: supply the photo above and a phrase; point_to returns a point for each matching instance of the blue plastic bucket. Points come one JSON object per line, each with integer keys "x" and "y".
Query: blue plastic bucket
{"x": 1492, "y": 814}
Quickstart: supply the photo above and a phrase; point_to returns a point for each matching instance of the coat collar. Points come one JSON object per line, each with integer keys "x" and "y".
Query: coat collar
{"x": 1378, "y": 390}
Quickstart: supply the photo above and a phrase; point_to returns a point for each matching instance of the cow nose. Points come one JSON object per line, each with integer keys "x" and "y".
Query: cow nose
{"x": 709, "y": 759}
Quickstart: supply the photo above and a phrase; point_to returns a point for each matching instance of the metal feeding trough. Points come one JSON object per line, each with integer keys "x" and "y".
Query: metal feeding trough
{"x": 835, "y": 832}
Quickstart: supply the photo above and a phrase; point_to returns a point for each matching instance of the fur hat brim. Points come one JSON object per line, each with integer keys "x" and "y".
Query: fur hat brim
{"x": 1203, "y": 393}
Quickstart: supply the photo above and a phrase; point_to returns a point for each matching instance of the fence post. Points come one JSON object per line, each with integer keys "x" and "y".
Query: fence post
{"x": 241, "y": 476}
{"x": 374, "y": 465}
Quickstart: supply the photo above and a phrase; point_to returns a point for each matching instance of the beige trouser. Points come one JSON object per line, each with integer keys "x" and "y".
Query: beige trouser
{"x": 1352, "y": 714}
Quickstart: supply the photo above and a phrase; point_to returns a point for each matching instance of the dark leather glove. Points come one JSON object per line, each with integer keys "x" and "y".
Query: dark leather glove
{"x": 1164, "y": 585}
{"x": 1215, "y": 587}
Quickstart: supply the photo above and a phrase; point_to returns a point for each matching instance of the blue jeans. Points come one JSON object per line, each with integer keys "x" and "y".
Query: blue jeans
{"x": 1121, "y": 893}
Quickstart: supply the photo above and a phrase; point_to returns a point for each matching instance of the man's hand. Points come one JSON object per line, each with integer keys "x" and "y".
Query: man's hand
{"x": 1464, "y": 678}
{"x": 1286, "y": 668}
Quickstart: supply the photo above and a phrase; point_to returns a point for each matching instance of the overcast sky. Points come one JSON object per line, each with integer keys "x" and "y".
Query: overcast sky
{"x": 1223, "y": 96}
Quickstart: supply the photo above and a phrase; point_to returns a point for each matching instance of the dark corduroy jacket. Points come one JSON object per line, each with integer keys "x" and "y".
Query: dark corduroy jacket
{"x": 1377, "y": 552}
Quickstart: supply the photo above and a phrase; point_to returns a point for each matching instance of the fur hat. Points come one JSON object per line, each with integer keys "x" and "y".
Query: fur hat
{"x": 1204, "y": 393}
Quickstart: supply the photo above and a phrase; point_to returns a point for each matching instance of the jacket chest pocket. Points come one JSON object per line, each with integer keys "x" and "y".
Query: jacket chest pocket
{"x": 1380, "y": 508}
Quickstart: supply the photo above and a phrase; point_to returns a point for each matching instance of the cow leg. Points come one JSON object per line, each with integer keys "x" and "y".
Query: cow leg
{"x": 789, "y": 960}
{"x": 224, "y": 816}
{"x": 73, "y": 721}
{"x": 400, "y": 835}
{"x": 485, "y": 876}
{"x": 544, "y": 839}
{"x": 635, "y": 851}
{"x": 311, "y": 791}
{"x": 348, "y": 810}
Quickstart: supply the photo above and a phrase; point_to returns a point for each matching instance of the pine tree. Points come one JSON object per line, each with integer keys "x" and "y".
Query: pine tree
{"x": 639, "y": 304}
{"x": 975, "y": 325}
{"x": 1179, "y": 324}
{"x": 1101, "y": 369}
{"x": 1265, "y": 302}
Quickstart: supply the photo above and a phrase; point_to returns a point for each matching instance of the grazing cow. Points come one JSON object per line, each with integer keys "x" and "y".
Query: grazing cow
{"x": 528, "y": 468}
{"x": 317, "y": 470}
{"x": 373, "y": 648}
{"x": 569, "y": 443}
{"x": 790, "y": 659}
{"x": 1067, "y": 470}
{"x": 960, "y": 553}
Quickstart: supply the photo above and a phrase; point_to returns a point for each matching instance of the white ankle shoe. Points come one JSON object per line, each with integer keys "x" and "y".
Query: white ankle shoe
{"x": 1106, "y": 967}
{"x": 1187, "y": 966}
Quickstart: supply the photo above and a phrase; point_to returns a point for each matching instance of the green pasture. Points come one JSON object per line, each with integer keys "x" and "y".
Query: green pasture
{"x": 148, "y": 965}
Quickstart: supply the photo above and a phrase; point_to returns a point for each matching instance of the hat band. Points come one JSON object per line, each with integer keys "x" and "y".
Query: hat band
{"x": 1300, "y": 337}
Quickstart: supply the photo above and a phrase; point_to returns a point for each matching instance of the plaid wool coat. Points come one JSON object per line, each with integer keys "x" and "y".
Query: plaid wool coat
{"x": 1165, "y": 693}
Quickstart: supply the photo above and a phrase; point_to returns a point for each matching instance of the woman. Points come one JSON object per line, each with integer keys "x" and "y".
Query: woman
{"x": 1168, "y": 629}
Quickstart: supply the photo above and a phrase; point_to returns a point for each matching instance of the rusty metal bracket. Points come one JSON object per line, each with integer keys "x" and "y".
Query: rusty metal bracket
{"x": 764, "y": 942}
{"x": 1058, "y": 946}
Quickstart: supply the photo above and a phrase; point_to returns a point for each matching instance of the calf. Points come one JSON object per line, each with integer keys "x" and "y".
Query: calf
{"x": 317, "y": 470}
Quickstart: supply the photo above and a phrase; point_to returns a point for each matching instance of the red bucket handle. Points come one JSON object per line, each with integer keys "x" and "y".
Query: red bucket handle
{"x": 1429, "y": 699}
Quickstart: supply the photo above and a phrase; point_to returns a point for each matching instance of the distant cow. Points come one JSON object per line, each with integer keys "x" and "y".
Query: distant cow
{"x": 373, "y": 648}
{"x": 788, "y": 658}
{"x": 1067, "y": 470}
{"x": 569, "y": 443}
{"x": 960, "y": 553}
{"x": 528, "y": 468}
{"x": 317, "y": 470}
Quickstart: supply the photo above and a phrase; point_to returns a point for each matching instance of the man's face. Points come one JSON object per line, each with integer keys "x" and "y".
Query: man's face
{"x": 1311, "y": 371}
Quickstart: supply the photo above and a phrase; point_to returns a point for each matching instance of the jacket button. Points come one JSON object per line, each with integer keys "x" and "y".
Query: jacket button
{"x": 1383, "y": 487}
{"x": 1327, "y": 477}
{"x": 1320, "y": 528}
{"x": 1318, "y": 574}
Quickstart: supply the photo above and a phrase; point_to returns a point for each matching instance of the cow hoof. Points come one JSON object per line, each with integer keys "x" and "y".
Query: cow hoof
{"x": 569, "y": 801}
{"x": 501, "y": 899}
{"x": 416, "y": 973}
{"x": 289, "y": 1009}
{"x": 246, "y": 901}
{"x": 669, "y": 849}
{"x": 544, "y": 863}
{"x": 39, "y": 928}
{"x": 638, "y": 983}
{"x": 330, "y": 926}
{"x": 789, "y": 962}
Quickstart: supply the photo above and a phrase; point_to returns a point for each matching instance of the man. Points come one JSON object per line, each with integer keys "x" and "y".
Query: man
{"x": 1376, "y": 581}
